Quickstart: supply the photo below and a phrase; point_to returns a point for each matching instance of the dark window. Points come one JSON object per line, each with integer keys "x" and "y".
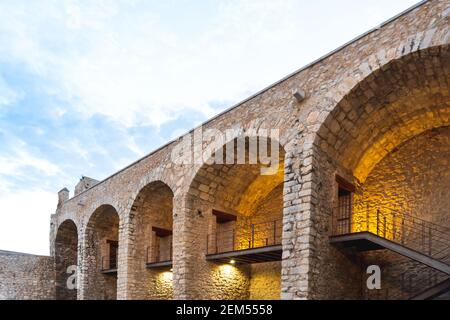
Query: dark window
{"x": 162, "y": 247}
{"x": 113, "y": 250}
{"x": 344, "y": 211}
{"x": 344, "y": 207}
{"x": 225, "y": 236}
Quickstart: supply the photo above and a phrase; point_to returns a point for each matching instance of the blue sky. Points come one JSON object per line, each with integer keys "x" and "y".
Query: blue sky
{"x": 87, "y": 87}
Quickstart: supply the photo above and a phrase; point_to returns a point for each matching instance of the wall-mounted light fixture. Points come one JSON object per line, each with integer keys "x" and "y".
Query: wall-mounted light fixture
{"x": 300, "y": 95}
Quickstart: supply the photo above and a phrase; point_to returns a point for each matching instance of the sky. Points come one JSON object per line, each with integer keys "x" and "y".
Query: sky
{"x": 88, "y": 87}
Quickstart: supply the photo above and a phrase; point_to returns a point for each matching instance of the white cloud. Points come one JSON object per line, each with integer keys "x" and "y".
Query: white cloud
{"x": 133, "y": 146}
{"x": 8, "y": 95}
{"x": 20, "y": 159}
{"x": 73, "y": 146}
{"x": 117, "y": 59}
{"x": 25, "y": 210}
{"x": 25, "y": 221}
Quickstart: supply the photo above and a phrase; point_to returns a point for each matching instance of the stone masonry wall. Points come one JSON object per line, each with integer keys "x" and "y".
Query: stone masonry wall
{"x": 66, "y": 256}
{"x": 26, "y": 277}
{"x": 415, "y": 180}
{"x": 339, "y": 273}
{"x": 265, "y": 281}
{"x": 394, "y": 102}
{"x": 103, "y": 227}
{"x": 153, "y": 208}
{"x": 228, "y": 188}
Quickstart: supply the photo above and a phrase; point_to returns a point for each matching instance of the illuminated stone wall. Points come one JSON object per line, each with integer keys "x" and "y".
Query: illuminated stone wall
{"x": 415, "y": 179}
{"x": 162, "y": 287}
{"x": 336, "y": 273}
{"x": 228, "y": 282}
{"x": 265, "y": 278}
{"x": 256, "y": 199}
{"x": 393, "y": 104}
{"x": 267, "y": 218}
{"x": 152, "y": 208}
{"x": 265, "y": 281}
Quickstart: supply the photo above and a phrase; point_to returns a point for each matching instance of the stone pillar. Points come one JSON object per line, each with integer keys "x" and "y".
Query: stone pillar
{"x": 186, "y": 250}
{"x": 312, "y": 268}
{"x": 298, "y": 229}
{"x": 125, "y": 263}
{"x": 82, "y": 264}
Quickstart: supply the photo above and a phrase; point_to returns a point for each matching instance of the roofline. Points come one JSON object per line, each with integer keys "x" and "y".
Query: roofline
{"x": 307, "y": 66}
{"x": 15, "y": 253}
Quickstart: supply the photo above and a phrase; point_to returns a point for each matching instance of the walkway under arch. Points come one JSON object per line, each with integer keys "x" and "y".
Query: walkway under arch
{"x": 402, "y": 100}
{"x": 150, "y": 263}
{"x": 100, "y": 258}
{"x": 236, "y": 207}
{"x": 66, "y": 256}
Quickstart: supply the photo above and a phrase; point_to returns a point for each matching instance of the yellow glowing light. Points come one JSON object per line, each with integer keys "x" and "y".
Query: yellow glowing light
{"x": 259, "y": 189}
{"x": 382, "y": 221}
{"x": 227, "y": 270}
{"x": 391, "y": 139}
{"x": 167, "y": 276}
{"x": 232, "y": 261}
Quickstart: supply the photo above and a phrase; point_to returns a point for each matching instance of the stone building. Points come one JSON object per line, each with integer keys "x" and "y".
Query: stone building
{"x": 362, "y": 138}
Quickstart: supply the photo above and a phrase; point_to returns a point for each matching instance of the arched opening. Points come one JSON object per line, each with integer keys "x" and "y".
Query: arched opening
{"x": 101, "y": 254}
{"x": 393, "y": 104}
{"x": 151, "y": 266}
{"x": 66, "y": 255}
{"x": 410, "y": 190}
{"x": 382, "y": 168}
{"x": 238, "y": 203}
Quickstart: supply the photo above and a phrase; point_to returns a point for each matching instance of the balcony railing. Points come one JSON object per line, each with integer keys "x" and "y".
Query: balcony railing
{"x": 399, "y": 227}
{"x": 408, "y": 278}
{"x": 253, "y": 236}
{"x": 160, "y": 253}
{"x": 108, "y": 264}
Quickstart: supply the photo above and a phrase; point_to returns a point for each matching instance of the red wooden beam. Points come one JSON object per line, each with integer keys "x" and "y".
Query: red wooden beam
{"x": 223, "y": 217}
{"x": 160, "y": 232}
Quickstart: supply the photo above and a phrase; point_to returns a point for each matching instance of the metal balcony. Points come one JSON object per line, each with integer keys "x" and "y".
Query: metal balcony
{"x": 256, "y": 243}
{"x": 160, "y": 254}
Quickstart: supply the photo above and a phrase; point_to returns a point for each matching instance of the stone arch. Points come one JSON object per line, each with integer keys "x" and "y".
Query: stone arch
{"x": 66, "y": 256}
{"x": 416, "y": 175}
{"x": 151, "y": 216}
{"x": 100, "y": 256}
{"x": 159, "y": 175}
{"x": 412, "y": 181}
{"x": 399, "y": 100}
{"x": 241, "y": 188}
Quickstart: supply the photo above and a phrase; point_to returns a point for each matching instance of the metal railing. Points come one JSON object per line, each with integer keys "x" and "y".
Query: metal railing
{"x": 160, "y": 253}
{"x": 410, "y": 231}
{"x": 419, "y": 277}
{"x": 108, "y": 264}
{"x": 407, "y": 285}
{"x": 251, "y": 236}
